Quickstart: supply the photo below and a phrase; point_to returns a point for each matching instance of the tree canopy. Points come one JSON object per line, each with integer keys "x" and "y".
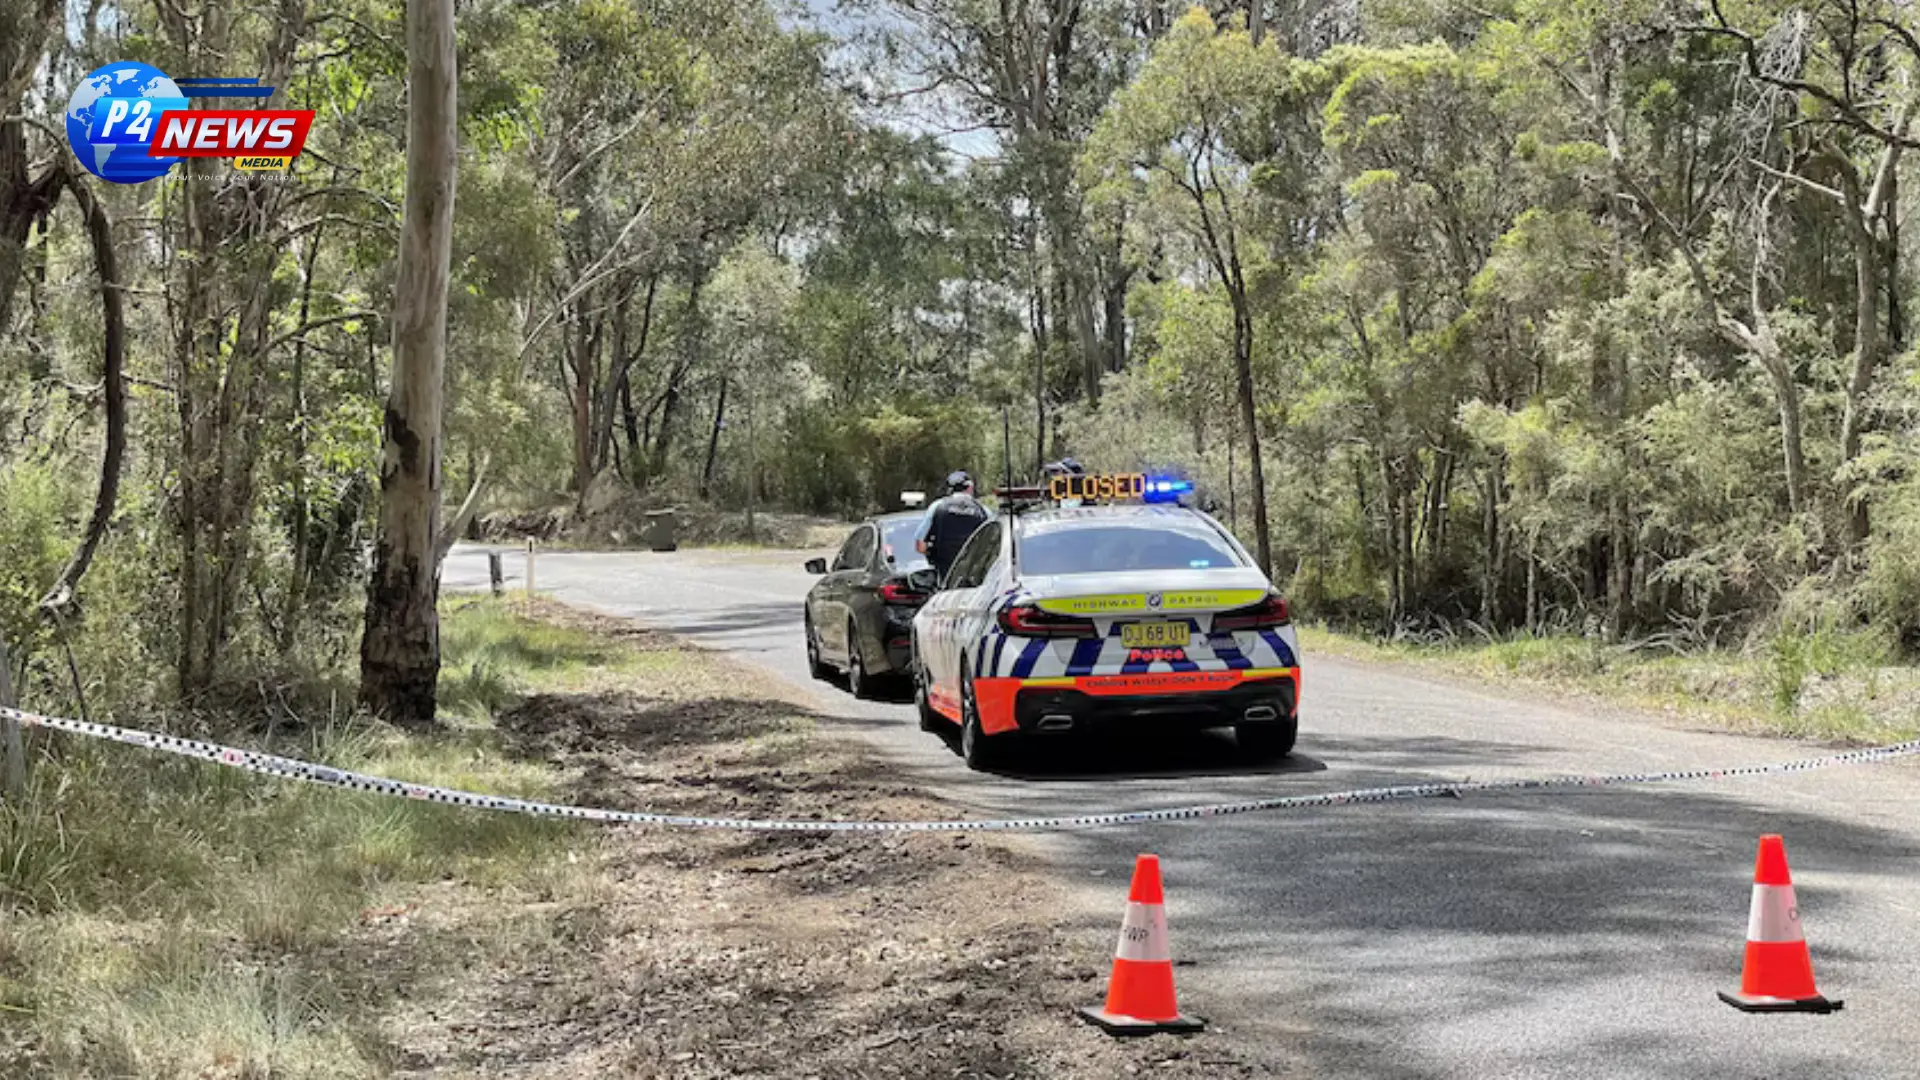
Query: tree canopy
{"x": 1545, "y": 317}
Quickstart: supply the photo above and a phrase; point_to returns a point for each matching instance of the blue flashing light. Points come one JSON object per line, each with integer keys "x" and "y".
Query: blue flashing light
{"x": 1161, "y": 490}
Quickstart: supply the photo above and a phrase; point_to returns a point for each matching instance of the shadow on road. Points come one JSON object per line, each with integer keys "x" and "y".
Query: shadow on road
{"x": 1606, "y": 918}
{"x": 737, "y": 619}
{"x": 1135, "y": 756}
{"x": 1418, "y": 752}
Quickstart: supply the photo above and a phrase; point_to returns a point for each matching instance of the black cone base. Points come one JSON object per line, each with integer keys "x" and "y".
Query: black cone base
{"x": 1115, "y": 1024}
{"x": 1755, "y": 1003}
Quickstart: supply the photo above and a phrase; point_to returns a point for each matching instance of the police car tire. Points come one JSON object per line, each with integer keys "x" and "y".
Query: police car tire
{"x": 1268, "y": 741}
{"x": 922, "y": 704}
{"x": 816, "y": 667}
{"x": 980, "y": 750}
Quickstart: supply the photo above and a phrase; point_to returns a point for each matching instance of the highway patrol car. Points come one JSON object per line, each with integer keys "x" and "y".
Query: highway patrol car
{"x": 1101, "y": 600}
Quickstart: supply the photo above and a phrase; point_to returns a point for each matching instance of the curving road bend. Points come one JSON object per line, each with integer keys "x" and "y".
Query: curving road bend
{"x": 1573, "y": 934}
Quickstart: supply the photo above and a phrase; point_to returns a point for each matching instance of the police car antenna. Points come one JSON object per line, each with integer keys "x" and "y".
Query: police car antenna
{"x": 1006, "y": 443}
{"x": 1013, "y": 500}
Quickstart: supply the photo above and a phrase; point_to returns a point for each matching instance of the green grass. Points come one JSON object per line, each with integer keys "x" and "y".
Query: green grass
{"x": 491, "y": 653}
{"x": 161, "y": 917}
{"x": 1825, "y": 685}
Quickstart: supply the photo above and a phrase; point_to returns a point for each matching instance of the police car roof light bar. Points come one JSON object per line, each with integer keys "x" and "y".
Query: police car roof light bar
{"x": 1162, "y": 489}
{"x": 1020, "y": 498}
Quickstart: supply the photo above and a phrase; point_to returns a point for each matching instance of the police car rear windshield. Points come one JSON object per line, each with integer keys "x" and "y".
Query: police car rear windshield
{"x": 1100, "y": 547}
{"x": 898, "y": 535}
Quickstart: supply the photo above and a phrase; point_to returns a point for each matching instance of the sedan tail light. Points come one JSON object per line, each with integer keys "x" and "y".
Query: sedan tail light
{"x": 893, "y": 592}
{"x": 1267, "y": 613}
{"x": 1025, "y": 620}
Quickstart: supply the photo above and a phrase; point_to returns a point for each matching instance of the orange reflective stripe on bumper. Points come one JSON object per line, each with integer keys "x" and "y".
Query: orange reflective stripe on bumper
{"x": 1168, "y": 682}
{"x": 994, "y": 699}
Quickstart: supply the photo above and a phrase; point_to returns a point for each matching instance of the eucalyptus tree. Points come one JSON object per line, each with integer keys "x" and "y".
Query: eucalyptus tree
{"x": 1181, "y": 144}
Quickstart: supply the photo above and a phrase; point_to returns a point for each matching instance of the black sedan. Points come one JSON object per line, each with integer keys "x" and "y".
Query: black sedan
{"x": 859, "y": 616}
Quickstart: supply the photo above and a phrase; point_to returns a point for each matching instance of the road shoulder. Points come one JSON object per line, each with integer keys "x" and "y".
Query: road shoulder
{"x": 682, "y": 953}
{"x": 1698, "y": 693}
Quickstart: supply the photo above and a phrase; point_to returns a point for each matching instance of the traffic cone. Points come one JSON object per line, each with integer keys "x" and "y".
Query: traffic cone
{"x": 1778, "y": 976}
{"x": 1140, "y": 993}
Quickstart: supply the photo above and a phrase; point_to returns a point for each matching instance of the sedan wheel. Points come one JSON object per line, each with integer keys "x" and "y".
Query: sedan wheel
{"x": 859, "y": 683}
{"x": 815, "y": 666}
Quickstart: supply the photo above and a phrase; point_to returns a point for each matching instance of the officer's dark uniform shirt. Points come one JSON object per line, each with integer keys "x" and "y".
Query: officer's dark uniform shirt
{"x": 950, "y": 521}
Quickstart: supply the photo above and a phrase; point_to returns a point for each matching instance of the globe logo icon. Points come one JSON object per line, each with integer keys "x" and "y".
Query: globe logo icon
{"x": 112, "y": 115}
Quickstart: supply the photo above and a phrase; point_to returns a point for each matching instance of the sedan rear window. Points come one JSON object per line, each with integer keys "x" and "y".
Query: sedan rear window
{"x": 1114, "y": 546}
{"x": 899, "y": 540}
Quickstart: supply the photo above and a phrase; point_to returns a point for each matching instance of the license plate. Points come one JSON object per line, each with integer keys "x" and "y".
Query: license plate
{"x": 1153, "y": 635}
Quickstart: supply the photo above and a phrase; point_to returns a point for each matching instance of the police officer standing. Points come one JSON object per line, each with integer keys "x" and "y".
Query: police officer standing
{"x": 949, "y": 522}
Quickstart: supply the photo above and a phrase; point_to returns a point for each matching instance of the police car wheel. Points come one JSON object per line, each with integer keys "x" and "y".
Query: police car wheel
{"x": 859, "y": 683}
{"x": 977, "y": 748}
{"x": 1267, "y": 741}
{"x": 922, "y": 704}
{"x": 815, "y": 666}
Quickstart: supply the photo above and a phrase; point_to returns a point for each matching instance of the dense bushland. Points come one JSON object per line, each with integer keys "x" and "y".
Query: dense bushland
{"x": 1535, "y": 319}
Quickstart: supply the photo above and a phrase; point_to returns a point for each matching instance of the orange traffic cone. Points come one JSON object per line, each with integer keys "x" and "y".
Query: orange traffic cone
{"x": 1140, "y": 993}
{"x": 1778, "y": 976}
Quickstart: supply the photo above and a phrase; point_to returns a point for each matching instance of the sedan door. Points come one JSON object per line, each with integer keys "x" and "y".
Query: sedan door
{"x": 849, "y": 569}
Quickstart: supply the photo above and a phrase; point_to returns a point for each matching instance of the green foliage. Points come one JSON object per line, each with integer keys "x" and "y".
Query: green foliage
{"x": 37, "y": 504}
{"x": 702, "y": 248}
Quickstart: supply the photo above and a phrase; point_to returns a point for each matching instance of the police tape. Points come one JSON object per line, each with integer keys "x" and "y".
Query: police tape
{"x": 292, "y": 769}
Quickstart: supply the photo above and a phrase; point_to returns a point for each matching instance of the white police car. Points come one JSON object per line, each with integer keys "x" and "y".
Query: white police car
{"x": 1099, "y": 602}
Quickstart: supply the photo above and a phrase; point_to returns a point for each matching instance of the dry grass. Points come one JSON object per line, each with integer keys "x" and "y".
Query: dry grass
{"x": 168, "y": 919}
{"x": 165, "y": 918}
{"x": 1831, "y": 688}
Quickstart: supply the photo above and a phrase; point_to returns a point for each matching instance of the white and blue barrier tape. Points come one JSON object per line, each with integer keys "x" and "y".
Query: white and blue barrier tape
{"x": 292, "y": 769}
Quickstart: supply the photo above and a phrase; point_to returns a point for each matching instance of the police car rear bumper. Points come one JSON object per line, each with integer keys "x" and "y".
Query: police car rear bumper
{"x": 1050, "y": 706}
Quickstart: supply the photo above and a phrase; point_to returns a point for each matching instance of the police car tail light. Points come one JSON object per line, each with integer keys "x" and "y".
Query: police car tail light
{"x": 1267, "y": 613}
{"x": 894, "y": 592}
{"x": 1026, "y": 620}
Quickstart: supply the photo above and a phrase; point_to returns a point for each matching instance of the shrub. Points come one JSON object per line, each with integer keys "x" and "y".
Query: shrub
{"x": 36, "y": 506}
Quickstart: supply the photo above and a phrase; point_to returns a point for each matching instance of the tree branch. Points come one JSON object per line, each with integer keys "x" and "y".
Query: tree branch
{"x": 450, "y": 535}
{"x": 294, "y": 232}
{"x": 51, "y": 132}
{"x": 344, "y": 189}
{"x": 591, "y": 276}
{"x": 1839, "y": 102}
{"x": 114, "y": 357}
{"x": 1811, "y": 185}
{"x": 307, "y": 328}
{"x": 641, "y": 116}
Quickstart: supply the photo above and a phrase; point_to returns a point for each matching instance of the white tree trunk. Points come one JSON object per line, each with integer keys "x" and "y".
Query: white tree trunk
{"x": 400, "y": 654}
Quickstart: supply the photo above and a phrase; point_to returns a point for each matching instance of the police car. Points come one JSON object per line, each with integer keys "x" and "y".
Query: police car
{"x": 1100, "y": 600}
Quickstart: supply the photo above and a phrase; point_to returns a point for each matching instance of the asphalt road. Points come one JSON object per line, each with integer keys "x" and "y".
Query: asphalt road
{"x": 1573, "y": 934}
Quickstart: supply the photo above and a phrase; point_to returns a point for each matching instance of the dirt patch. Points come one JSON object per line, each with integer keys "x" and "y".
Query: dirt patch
{"x": 687, "y": 954}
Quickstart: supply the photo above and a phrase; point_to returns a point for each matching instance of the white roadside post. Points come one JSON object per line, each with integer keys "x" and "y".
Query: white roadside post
{"x": 529, "y": 569}
{"x": 13, "y": 753}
